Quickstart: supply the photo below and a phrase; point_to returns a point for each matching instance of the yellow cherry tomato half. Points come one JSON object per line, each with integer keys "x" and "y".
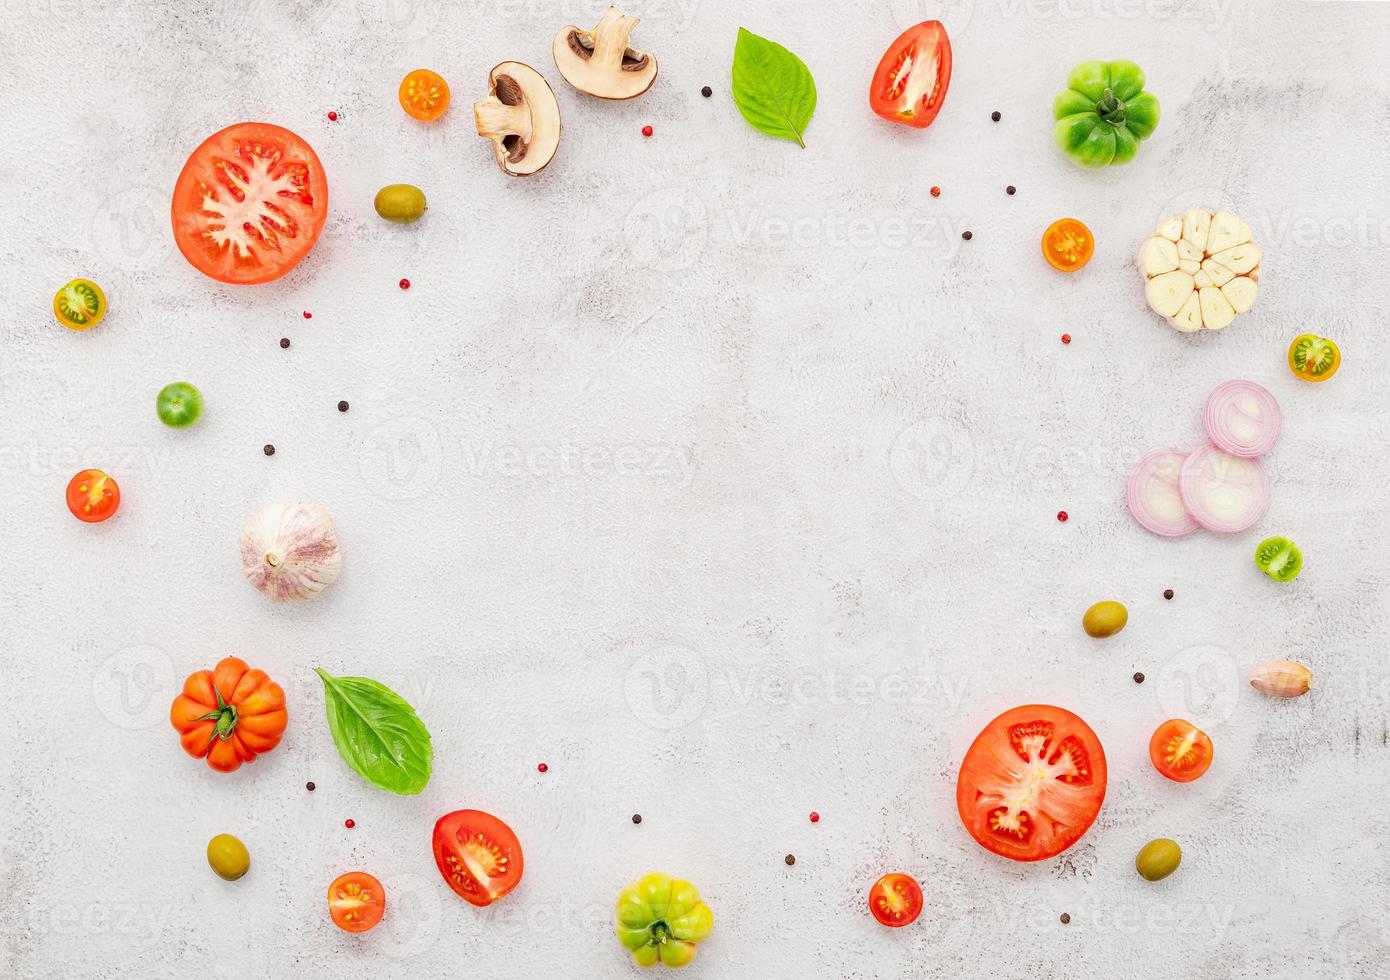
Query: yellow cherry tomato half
{"x": 93, "y": 496}
{"x": 1314, "y": 358}
{"x": 424, "y": 95}
{"x": 79, "y": 305}
{"x": 1068, "y": 245}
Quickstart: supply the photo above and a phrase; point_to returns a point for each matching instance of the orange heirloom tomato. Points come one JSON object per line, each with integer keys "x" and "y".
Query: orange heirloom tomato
{"x": 1068, "y": 245}
{"x": 424, "y": 95}
{"x": 229, "y": 715}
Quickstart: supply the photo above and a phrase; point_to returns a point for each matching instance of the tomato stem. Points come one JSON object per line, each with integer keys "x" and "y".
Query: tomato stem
{"x": 225, "y": 716}
{"x": 1111, "y": 109}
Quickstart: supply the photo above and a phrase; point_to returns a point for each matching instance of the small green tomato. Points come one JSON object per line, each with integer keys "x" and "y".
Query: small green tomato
{"x": 228, "y": 857}
{"x": 179, "y": 405}
{"x": 1158, "y": 859}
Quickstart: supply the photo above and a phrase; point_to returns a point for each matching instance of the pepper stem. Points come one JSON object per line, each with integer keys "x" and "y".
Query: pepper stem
{"x": 1111, "y": 109}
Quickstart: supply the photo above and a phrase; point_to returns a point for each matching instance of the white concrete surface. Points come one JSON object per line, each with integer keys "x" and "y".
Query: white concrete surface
{"x": 717, "y": 474}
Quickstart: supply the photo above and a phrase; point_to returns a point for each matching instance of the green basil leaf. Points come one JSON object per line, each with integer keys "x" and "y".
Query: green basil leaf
{"x": 772, "y": 87}
{"x": 377, "y": 733}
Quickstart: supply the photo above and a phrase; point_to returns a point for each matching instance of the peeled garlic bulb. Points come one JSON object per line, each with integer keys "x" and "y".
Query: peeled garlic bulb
{"x": 1200, "y": 269}
{"x": 290, "y": 551}
{"x": 1282, "y": 679}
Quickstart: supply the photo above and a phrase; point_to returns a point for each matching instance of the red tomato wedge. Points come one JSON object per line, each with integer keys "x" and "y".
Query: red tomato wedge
{"x": 249, "y": 203}
{"x": 910, "y": 82}
{"x": 1031, "y": 783}
{"x": 478, "y": 855}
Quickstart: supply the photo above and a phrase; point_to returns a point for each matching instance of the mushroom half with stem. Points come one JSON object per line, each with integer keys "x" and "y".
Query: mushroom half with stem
{"x": 521, "y": 117}
{"x": 600, "y": 62}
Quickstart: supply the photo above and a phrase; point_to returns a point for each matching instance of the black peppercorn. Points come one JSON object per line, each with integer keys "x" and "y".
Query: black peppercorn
{"x": 637, "y": 818}
{"x": 1167, "y": 593}
{"x": 284, "y": 341}
{"x": 1138, "y": 677}
{"x": 790, "y": 859}
{"x": 1011, "y": 190}
{"x": 967, "y": 235}
{"x": 707, "y": 91}
{"x": 1065, "y": 918}
{"x": 309, "y": 787}
{"x": 269, "y": 449}
{"x": 995, "y": 115}
{"x": 342, "y": 406}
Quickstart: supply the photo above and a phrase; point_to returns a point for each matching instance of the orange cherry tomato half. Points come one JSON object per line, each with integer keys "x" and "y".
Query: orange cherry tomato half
{"x": 249, "y": 203}
{"x": 910, "y": 82}
{"x": 1068, "y": 245}
{"x": 93, "y": 496}
{"x": 356, "y": 901}
{"x": 1180, "y": 750}
{"x": 896, "y": 900}
{"x": 478, "y": 855}
{"x": 1314, "y": 358}
{"x": 1031, "y": 783}
{"x": 424, "y": 95}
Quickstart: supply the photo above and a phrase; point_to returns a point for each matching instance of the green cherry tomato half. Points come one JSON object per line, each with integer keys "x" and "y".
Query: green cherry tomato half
{"x": 1279, "y": 558}
{"x": 1104, "y": 113}
{"x": 228, "y": 857}
{"x": 79, "y": 305}
{"x": 661, "y": 919}
{"x": 179, "y": 405}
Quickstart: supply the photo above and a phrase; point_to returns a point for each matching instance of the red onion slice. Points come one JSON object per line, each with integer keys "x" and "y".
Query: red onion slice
{"x": 1152, "y": 494}
{"x": 1242, "y": 418}
{"x": 1223, "y": 493}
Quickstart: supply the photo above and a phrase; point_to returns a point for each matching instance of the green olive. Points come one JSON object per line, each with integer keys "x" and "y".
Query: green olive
{"x": 1105, "y": 618}
{"x": 400, "y": 202}
{"x": 1158, "y": 859}
{"x": 228, "y": 857}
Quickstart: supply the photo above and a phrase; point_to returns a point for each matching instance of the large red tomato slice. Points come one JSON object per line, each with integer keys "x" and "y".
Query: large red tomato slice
{"x": 913, "y": 75}
{"x": 249, "y": 203}
{"x": 478, "y": 855}
{"x": 1032, "y": 782}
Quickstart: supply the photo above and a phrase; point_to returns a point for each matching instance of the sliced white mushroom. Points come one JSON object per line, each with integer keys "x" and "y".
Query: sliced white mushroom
{"x": 1195, "y": 226}
{"x": 1158, "y": 256}
{"x": 1167, "y": 293}
{"x": 1220, "y": 275}
{"x": 1240, "y": 292}
{"x": 1189, "y": 318}
{"x": 1240, "y": 259}
{"x": 1172, "y": 228}
{"x": 1217, "y": 312}
{"x": 521, "y": 117}
{"x": 600, "y": 62}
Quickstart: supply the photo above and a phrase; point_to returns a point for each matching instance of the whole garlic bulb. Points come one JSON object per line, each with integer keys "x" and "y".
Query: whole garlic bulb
{"x": 290, "y": 551}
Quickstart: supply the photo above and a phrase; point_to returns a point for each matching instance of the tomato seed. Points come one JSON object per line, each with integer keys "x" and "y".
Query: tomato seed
{"x": 542, "y": 768}
{"x": 995, "y": 115}
{"x": 1066, "y": 338}
{"x": 349, "y": 823}
{"x": 405, "y": 283}
{"x": 790, "y": 859}
{"x": 1062, "y": 516}
{"x": 637, "y": 818}
{"x": 1167, "y": 593}
{"x": 1065, "y": 918}
{"x": 284, "y": 341}
{"x": 332, "y": 116}
{"x": 309, "y": 786}
{"x": 815, "y": 817}
{"x": 646, "y": 130}
{"x": 308, "y": 315}
{"x": 1138, "y": 677}
{"x": 936, "y": 192}
{"x": 269, "y": 450}
{"x": 707, "y": 91}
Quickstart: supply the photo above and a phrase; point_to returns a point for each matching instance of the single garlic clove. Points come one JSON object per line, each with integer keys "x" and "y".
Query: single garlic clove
{"x": 290, "y": 551}
{"x": 1282, "y": 679}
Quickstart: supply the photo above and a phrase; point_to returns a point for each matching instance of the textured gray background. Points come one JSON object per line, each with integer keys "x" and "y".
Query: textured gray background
{"x": 718, "y": 474}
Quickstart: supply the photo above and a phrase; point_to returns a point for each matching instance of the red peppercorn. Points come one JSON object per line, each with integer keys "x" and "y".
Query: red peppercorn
{"x": 308, "y": 315}
{"x": 646, "y": 130}
{"x": 815, "y": 817}
{"x": 332, "y": 116}
{"x": 1062, "y": 516}
{"x": 542, "y": 768}
{"x": 1066, "y": 338}
{"x": 405, "y": 283}
{"x": 349, "y": 823}
{"x": 936, "y": 192}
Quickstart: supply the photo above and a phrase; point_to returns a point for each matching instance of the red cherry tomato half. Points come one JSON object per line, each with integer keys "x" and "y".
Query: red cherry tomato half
{"x": 910, "y": 82}
{"x": 1031, "y": 783}
{"x": 478, "y": 855}
{"x": 93, "y": 496}
{"x": 896, "y": 900}
{"x": 356, "y": 901}
{"x": 249, "y": 203}
{"x": 1180, "y": 750}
